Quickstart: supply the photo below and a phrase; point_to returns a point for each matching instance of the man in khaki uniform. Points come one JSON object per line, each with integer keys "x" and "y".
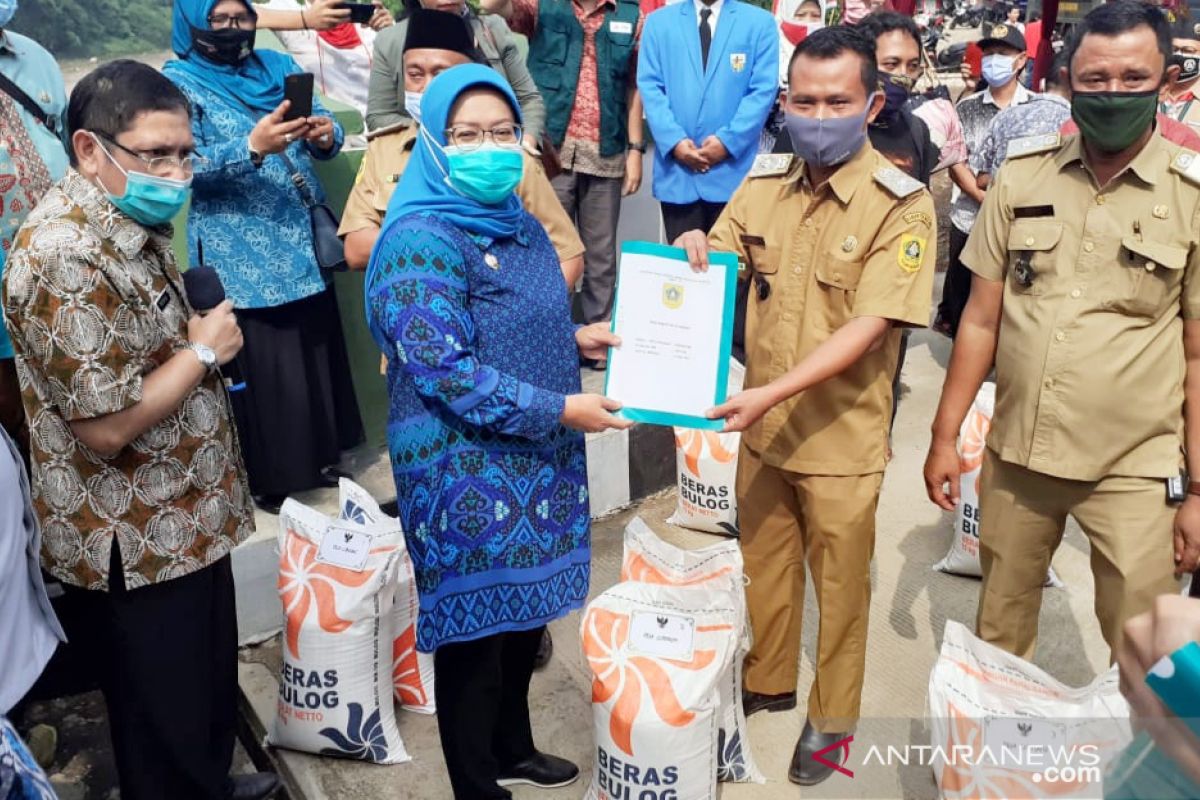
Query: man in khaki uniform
{"x": 1086, "y": 298}
{"x": 839, "y": 249}
{"x": 437, "y": 41}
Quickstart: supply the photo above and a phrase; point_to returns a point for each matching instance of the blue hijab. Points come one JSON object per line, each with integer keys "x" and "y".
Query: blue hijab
{"x": 423, "y": 187}
{"x": 257, "y": 82}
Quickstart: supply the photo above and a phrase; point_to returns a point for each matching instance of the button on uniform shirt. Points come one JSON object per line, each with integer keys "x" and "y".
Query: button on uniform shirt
{"x": 96, "y": 304}
{"x": 1089, "y": 362}
{"x": 976, "y": 114}
{"x": 387, "y": 156}
{"x": 849, "y": 248}
{"x": 580, "y": 151}
{"x": 1044, "y": 113}
{"x": 32, "y": 157}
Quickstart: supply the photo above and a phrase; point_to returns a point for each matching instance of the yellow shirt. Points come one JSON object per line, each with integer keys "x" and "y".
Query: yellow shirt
{"x": 1089, "y": 363}
{"x": 862, "y": 244}
{"x": 387, "y": 156}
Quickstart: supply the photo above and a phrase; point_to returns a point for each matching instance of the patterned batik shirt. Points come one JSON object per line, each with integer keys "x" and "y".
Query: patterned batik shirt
{"x": 1044, "y": 113}
{"x": 94, "y": 304}
{"x": 976, "y": 114}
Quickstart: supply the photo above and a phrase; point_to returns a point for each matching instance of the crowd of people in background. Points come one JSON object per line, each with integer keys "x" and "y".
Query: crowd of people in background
{"x": 805, "y": 140}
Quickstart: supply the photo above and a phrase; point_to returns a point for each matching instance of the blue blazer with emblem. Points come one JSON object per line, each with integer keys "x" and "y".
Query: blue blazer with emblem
{"x": 729, "y": 99}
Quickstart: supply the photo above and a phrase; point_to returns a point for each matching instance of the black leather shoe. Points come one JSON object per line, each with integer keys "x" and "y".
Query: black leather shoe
{"x": 331, "y": 474}
{"x": 808, "y": 771}
{"x": 542, "y": 770}
{"x": 255, "y": 786}
{"x": 753, "y": 701}
{"x": 391, "y": 508}
{"x": 545, "y": 650}
{"x": 269, "y": 503}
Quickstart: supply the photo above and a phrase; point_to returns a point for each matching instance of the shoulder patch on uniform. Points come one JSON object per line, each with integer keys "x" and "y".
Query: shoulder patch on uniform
{"x": 1187, "y": 164}
{"x": 913, "y": 217}
{"x": 910, "y": 253}
{"x": 769, "y": 165}
{"x": 1032, "y": 145}
{"x": 362, "y": 169}
{"x": 898, "y": 183}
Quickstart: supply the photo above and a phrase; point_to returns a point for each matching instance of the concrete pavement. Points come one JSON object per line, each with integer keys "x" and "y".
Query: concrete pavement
{"x": 910, "y": 607}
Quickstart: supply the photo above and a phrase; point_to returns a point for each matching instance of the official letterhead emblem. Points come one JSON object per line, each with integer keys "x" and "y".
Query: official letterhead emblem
{"x": 672, "y": 296}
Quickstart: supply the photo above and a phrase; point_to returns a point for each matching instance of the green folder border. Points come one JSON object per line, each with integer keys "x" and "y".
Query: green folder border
{"x": 730, "y": 262}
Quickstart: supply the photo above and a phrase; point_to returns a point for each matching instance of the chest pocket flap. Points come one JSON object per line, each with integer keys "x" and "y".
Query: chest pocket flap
{"x": 1028, "y": 234}
{"x": 1164, "y": 255}
{"x": 839, "y": 273}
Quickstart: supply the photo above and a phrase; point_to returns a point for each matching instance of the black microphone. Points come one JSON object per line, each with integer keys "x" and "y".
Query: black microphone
{"x": 205, "y": 292}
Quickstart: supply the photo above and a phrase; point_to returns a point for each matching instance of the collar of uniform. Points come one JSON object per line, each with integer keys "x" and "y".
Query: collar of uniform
{"x": 1022, "y": 95}
{"x": 1145, "y": 164}
{"x": 126, "y": 234}
{"x": 851, "y": 174}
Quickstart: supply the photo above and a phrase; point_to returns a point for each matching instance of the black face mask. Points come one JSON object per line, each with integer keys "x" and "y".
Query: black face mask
{"x": 1189, "y": 66}
{"x": 896, "y": 90}
{"x": 229, "y": 46}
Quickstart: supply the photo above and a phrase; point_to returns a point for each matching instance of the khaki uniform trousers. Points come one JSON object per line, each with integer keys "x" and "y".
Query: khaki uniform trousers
{"x": 787, "y": 519}
{"x": 1022, "y": 516}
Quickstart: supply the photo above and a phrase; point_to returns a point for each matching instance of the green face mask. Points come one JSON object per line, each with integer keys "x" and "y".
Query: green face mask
{"x": 1112, "y": 121}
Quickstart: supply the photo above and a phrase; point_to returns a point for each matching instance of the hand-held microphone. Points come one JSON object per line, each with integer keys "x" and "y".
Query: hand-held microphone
{"x": 205, "y": 292}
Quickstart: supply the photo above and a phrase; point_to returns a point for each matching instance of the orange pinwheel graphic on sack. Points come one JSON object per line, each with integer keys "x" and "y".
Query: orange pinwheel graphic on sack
{"x": 617, "y": 673}
{"x": 303, "y": 579}
{"x": 693, "y": 443}
{"x": 635, "y": 567}
{"x": 973, "y": 441}
{"x": 406, "y": 670}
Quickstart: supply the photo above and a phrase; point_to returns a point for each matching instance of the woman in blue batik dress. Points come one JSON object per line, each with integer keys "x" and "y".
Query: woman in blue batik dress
{"x": 465, "y": 296}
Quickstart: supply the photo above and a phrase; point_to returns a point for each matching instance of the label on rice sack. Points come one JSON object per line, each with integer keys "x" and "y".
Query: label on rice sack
{"x": 336, "y": 581}
{"x": 412, "y": 671}
{"x": 649, "y": 559}
{"x": 1002, "y": 728}
{"x": 963, "y": 556}
{"x": 657, "y": 654}
{"x": 706, "y": 469}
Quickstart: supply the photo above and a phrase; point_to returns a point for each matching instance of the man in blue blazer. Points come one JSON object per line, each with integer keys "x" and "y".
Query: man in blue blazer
{"x": 708, "y": 71}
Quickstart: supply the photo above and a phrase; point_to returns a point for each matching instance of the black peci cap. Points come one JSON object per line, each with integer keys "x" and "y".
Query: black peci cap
{"x": 438, "y": 30}
{"x": 1003, "y": 33}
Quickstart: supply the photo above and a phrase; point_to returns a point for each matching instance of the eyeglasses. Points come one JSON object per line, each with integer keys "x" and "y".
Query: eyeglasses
{"x": 160, "y": 166}
{"x": 219, "y": 21}
{"x": 471, "y": 138}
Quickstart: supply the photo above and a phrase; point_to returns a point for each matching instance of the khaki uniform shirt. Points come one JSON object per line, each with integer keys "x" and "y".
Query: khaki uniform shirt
{"x": 850, "y": 248}
{"x": 387, "y": 156}
{"x": 1089, "y": 363}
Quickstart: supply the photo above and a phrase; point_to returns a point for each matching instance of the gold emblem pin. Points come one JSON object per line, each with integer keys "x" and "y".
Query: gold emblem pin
{"x": 1161, "y": 212}
{"x": 999, "y": 32}
{"x": 849, "y": 245}
{"x": 491, "y": 261}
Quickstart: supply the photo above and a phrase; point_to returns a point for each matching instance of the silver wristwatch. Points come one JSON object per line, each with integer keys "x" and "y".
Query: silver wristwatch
{"x": 207, "y": 356}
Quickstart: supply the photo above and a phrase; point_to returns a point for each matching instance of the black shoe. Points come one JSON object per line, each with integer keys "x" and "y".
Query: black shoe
{"x": 545, "y": 650}
{"x": 331, "y": 474}
{"x": 753, "y": 701}
{"x": 807, "y": 770}
{"x": 542, "y": 770}
{"x": 269, "y": 503}
{"x": 255, "y": 786}
{"x": 391, "y": 508}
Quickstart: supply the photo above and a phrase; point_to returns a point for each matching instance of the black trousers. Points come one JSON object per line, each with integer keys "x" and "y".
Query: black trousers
{"x": 957, "y": 288}
{"x": 167, "y": 661}
{"x": 483, "y": 709}
{"x": 681, "y": 218}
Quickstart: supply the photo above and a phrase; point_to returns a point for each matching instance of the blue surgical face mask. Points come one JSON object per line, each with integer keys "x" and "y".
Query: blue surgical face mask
{"x": 148, "y": 199}
{"x": 997, "y": 68}
{"x": 830, "y": 141}
{"x": 7, "y": 9}
{"x": 488, "y": 174}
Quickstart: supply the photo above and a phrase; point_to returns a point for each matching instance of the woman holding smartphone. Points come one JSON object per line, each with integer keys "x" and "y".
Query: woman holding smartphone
{"x": 249, "y": 221}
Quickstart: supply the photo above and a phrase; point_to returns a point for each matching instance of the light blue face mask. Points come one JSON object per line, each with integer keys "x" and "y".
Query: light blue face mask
{"x": 997, "y": 68}
{"x": 148, "y": 199}
{"x": 487, "y": 174}
{"x": 7, "y": 9}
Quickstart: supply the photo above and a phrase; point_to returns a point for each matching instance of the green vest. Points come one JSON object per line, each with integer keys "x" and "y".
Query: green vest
{"x": 555, "y": 53}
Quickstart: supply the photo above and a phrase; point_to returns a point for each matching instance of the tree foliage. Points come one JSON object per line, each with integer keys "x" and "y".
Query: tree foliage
{"x": 80, "y": 28}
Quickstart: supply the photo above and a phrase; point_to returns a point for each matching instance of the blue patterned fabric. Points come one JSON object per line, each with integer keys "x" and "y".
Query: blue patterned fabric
{"x": 492, "y": 488}
{"x": 20, "y": 776}
{"x": 252, "y": 222}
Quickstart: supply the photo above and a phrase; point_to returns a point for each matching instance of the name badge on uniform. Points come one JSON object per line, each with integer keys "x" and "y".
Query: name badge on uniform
{"x": 616, "y": 26}
{"x": 737, "y": 61}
